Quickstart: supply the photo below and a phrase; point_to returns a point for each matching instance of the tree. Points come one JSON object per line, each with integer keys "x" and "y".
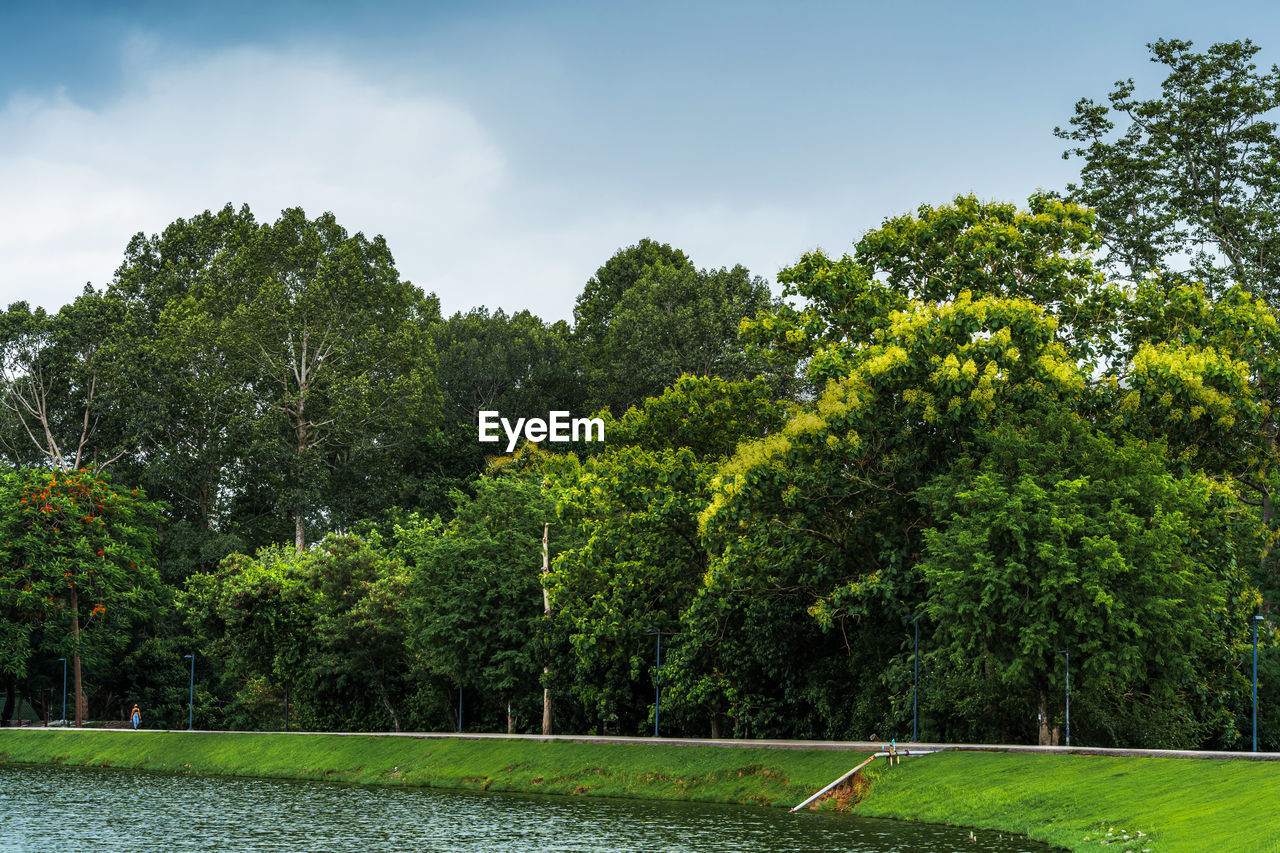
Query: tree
{"x": 190, "y": 415}
{"x": 77, "y": 568}
{"x": 1042, "y": 254}
{"x": 1196, "y": 171}
{"x": 1062, "y": 539}
{"x": 815, "y": 532}
{"x": 61, "y": 376}
{"x": 1203, "y": 375}
{"x": 516, "y": 364}
{"x": 327, "y": 624}
{"x": 639, "y": 562}
{"x": 332, "y": 346}
{"x": 476, "y": 588}
{"x": 594, "y": 310}
{"x": 649, "y": 316}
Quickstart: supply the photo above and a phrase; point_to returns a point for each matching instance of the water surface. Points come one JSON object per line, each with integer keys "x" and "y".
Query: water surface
{"x": 66, "y": 809}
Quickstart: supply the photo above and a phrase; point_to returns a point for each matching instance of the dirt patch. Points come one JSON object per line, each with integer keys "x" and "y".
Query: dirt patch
{"x": 846, "y": 795}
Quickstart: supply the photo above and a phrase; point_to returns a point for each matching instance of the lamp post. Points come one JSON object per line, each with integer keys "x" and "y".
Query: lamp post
{"x": 915, "y": 685}
{"x": 64, "y": 690}
{"x": 1067, "y": 653}
{"x": 1256, "y": 619}
{"x": 191, "y": 693}
{"x": 657, "y": 681}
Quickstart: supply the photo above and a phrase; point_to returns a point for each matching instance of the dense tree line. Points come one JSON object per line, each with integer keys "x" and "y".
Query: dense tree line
{"x": 1026, "y": 432}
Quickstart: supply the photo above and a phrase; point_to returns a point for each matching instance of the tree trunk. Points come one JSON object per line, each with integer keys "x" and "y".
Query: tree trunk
{"x": 546, "y": 612}
{"x": 1044, "y": 738}
{"x": 81, "y": 709}
{"x": 302, "y": 434}
{"x": 715, "y": 726}
{"x": 511, "y": 720}
{"x": 382, "y": 693}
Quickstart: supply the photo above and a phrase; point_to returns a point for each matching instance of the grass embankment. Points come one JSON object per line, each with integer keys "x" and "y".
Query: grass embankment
{"x": 1179, "y": 804}
{"x": 772, "y": 777}
{"x": 1072, "y": 801}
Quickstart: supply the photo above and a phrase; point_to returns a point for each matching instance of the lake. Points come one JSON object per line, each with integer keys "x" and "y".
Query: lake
{"x": 55, "y": 809}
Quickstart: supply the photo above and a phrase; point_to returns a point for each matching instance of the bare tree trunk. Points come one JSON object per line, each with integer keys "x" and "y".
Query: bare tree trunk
{"x": 1044, "y": 737}
{"x": 715, "y": 726}
{"x": 382, "y": 694}
{"x": 546, "y": 612}
{"x": 301, "y": 432}
{"x": 511, "y": 720}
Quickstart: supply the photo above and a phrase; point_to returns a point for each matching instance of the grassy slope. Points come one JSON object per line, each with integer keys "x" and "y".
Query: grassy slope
{"x": 642, "y": 771}
{"x": 1181, "y": 804}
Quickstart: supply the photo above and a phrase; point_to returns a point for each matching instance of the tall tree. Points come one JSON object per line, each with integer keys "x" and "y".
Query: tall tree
{"x": 649, "y": 316}
{"x": 62, "y": 380}
{"x": 518, "y": 365}
{"x": 191, "y": 414}
{"x": 332, "y": 346}
{"x": 640, "y": 562}
{"x": 1196, "y": 171}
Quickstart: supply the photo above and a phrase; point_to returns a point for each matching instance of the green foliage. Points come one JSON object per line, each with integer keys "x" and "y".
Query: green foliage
{"x": 476, "y": 591}
{"x": 328, "y": 623}
{"x": 985, "y": 249}
{"x": 640, "y": 562}
{"x": 333, "y": 348}
{"x": 517, "y": 365}
{"x": 77, "y": 573}
{"x": 1061, "y": 539}
{"x": 1194, "y": 172}
{"x": 649, "y": 316}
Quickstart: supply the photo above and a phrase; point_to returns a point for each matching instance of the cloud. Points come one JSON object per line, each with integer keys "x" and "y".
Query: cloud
{"x": 244, "y": 126}
{"x": 276, "y": 128}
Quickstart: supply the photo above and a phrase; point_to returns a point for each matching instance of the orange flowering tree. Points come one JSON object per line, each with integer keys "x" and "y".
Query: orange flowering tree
{"x": 76, "y": 570}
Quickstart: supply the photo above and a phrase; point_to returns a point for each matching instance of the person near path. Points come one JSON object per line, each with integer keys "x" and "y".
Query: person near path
{"x": 136, "y": 717}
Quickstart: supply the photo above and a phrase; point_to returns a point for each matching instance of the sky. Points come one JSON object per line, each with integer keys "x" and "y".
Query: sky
{"x": 507, "y": 149}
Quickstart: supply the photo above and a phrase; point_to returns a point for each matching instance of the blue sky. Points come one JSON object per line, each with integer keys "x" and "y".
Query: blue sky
{"x": 506, "y": 150}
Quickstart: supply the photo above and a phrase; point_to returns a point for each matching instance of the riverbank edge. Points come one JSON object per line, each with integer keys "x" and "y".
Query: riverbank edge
{"x": 746, "y": 776}
{"x": 1069, "y": 801}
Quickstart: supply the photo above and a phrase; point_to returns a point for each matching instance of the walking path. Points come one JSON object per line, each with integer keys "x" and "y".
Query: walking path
{"x": 851, "y": 746}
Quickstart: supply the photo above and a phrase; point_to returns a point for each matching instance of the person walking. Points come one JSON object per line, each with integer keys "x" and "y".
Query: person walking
{"x": 136, "y": 717}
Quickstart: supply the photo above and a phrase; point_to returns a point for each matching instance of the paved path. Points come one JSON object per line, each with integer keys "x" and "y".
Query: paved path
{"x": 851, "y": 746}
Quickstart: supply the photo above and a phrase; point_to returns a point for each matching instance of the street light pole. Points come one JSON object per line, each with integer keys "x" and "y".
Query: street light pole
{"x": 1067, "y": 653}
{"x": 191, "y": 694}
{"x": 64, "y": 690}
{"x": 1256, "y": 619}
{"x": 915, "y": 685}
{"x": 657, "y": 682}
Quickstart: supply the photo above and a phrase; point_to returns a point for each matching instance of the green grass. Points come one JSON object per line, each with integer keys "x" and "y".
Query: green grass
{"x": 1181, "y": 804}
{"x": 772, "y": 777}
{"x": 1071, "y": 801}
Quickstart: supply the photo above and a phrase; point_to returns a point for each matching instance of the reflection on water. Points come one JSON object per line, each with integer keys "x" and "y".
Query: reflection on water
{"x": 56, "y": 809}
